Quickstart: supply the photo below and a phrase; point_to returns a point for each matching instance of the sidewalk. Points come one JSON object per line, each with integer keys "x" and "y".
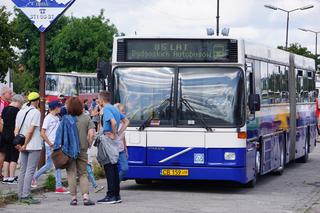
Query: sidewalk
{"x": 10, "y": 192}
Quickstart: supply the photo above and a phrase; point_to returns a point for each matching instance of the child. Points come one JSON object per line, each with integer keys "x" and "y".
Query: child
{"x": 48, "y": 133}
{"x": 90, "y": 173}
{"x": 123, "y": 151}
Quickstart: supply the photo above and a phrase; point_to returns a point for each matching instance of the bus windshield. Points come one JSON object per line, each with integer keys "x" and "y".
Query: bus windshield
{"x": 143, "y": 91}
{"x": 60, "y": 84}
{"x": 214, "y": 95}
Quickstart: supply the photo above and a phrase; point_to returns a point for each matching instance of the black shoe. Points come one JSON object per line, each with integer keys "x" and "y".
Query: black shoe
{"x": 118, "y": 199}
{"x": 5, "y": 182}
{"x": 12, "y": 182}
{"x": 108, "y": 200}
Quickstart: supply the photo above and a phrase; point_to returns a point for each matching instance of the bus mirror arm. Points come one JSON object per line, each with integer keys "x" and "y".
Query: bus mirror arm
{"x": 254, "y": 102}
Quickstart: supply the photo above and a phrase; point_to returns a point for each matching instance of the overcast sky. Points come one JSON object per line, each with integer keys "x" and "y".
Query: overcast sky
{"x": 247, "y": 19}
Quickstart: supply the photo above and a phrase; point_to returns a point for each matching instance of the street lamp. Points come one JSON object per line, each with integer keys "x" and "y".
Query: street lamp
{"x": 288, "y": 13}
{"x": 316, "y": 47}
{"x": 218, "y": 16}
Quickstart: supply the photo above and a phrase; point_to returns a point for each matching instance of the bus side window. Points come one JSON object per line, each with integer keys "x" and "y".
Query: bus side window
{"x": 264, "y": 83}
{"x": 257, "y": 77}
{"x": 284, "y": 92}
{"x": 273, "y": 72}
{"x": 276, "y": 79}
{"x": 305, "y": 86}
{"x": 311, "y": 86}
{"x": 299, "y": 79}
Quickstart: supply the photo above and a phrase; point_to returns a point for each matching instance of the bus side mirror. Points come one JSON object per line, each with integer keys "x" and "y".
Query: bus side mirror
{"x": 103, "y": 69}
{"x": 254, "y": 102}
{"x": 104, "y": 74}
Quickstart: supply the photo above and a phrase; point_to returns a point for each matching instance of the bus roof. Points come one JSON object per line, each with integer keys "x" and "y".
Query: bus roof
{"x": 277, "y": 55}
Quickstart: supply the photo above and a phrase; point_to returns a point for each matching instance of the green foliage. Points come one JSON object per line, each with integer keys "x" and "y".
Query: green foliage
{"x": 7, "y": 54}
{"x": 98, "y": 171}
{"x": 72, "y": 44}
{"x": 298, "y": 49}
{"x": 28, "y": 37}
{"x": 50, "y": 183}
{"x": 81, "y": 42}
{"x": 24, "y": 82}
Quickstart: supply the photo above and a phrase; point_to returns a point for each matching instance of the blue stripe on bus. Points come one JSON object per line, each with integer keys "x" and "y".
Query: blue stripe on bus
{"x": 153, "y": 156}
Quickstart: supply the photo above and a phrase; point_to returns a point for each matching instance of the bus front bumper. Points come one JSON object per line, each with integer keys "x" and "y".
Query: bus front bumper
{"x": 237, "y": 174}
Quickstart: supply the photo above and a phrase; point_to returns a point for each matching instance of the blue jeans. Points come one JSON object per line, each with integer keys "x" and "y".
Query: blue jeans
{"x": 91, "y": 176}
{"x": 47, "y": 167}
{"x": 123, "y": 165}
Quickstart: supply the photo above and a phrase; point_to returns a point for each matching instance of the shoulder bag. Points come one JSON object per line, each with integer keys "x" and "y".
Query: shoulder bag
{"x": 20, "y": 139}
{"x": 59, "y": 158}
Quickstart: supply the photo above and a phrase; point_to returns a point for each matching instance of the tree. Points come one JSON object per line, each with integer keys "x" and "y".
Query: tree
{"x": 28, "y": 37}
{"x": 81, "y": 42}
{"x": 24, "y": 82}
{"x": 7, "y": 54}
{"x": 72, "y": 44}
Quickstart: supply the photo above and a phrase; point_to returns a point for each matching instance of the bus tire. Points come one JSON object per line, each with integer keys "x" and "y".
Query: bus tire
{"x": 143, "y": 181}
{"x": 305, "y": 157}
{"x": 252, "y": 183}
{"x": 279, "y": 171}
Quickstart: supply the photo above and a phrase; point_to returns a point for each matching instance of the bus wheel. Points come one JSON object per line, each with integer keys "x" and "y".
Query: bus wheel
{"x": 305, "y": 157}
{"x": 280, "y": 169}
{"x": 252, "y": 183}
{"x": 143, "y": 181}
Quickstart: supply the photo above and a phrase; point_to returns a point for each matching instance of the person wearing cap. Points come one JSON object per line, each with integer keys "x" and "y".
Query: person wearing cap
{"x": 48, "y": 133}
{"x": 28, "y": 124}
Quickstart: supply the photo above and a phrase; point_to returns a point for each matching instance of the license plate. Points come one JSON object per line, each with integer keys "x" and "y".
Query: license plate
{"x": 174, "y": 172}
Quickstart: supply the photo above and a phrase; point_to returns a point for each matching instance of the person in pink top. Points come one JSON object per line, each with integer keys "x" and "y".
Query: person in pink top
{"x": 6, "y": 95}
{"x": 123, "y": 151}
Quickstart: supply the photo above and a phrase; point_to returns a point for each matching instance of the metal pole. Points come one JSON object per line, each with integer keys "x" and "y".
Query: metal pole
{"x": 287, "y": 31}
{"x": 218, "y": 17}
{"x": 42, "y": 73}
{"x": 42, "y": 88}
{"x": 316, "y": 51}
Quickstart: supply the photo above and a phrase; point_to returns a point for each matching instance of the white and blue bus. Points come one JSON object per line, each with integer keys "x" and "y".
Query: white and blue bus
{"x": 212, "y": 108}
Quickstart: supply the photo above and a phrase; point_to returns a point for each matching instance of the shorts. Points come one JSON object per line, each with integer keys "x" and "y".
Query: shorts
{"x": 3, "y": 145}
{"x": 12, "y": 154}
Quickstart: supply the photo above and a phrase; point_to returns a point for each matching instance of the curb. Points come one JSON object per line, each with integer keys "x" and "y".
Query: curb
{"x": 12, "y": 196}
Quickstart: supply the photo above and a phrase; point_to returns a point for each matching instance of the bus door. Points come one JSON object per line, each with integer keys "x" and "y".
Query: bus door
{"x": 252, "y": 156}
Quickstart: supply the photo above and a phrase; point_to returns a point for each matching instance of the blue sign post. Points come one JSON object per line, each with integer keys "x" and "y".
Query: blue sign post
{"x": 43, "y": 13}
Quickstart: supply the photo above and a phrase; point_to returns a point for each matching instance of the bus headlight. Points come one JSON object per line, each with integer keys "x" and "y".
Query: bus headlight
{"x": 229, "y": 155}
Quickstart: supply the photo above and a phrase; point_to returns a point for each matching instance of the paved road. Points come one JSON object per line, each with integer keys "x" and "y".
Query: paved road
{"x": 297, "y": 190}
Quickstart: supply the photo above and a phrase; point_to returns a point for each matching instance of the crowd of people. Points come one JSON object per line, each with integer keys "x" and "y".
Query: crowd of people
{"x": 100, "y": 123}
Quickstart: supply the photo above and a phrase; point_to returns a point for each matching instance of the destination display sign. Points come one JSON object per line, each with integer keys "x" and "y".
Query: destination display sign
{"x": 178, "y": 50}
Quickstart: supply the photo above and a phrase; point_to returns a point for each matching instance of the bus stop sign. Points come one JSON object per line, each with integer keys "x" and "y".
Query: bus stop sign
{"x": 43, "y": 13}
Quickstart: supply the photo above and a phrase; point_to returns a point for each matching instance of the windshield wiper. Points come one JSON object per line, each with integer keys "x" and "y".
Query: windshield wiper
{"x": 159, "y": 108}
{"x": 188, "y": 105}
